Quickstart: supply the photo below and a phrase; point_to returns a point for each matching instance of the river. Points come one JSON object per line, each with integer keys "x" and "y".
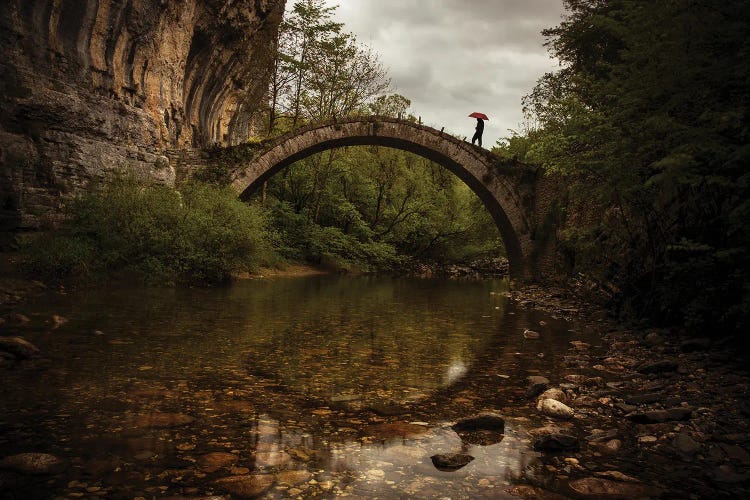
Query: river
{"x": 289, "y": 387}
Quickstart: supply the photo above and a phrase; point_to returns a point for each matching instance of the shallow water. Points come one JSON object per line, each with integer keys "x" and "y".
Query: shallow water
{"x": 352, "y": 383}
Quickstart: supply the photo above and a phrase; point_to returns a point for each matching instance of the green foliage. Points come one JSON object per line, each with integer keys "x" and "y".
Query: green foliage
{"x": 200, "y": 234}
{"x": 648, "y": 121}
{"x": 374, "y": 208}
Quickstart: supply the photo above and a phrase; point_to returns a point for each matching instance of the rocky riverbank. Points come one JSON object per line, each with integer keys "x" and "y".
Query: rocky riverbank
{"x": 676, "y": 405}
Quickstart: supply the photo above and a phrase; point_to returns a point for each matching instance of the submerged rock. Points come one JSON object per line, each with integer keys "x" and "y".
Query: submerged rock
{"x": 19, "y": 347}
{"x": 555, "y": 409}
{"x": 246, "y": 486}
{"x": 211, "y": 462}
{"x": 685, "y": 445}
{"x": 450, "y": 461}
{"x": 696, "y": 344}
{"x": 530, "y": 334}
{"x": 481, "y": 422}
{"x": 595, "y": 487}
{"x": 556, "y": 441}
{"x": 33, "y": 463}
{"x": 293, "y": 477}
{"x": 162, "y": 420}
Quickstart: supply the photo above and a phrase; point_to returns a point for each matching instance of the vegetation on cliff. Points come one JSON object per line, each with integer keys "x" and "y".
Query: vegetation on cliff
{"x": 647, "y": 119}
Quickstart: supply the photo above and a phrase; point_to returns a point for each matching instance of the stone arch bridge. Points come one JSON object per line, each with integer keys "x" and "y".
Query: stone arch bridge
{"x": 519, "y": 198}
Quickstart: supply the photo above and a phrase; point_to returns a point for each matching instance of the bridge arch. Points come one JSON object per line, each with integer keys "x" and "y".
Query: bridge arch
{"x": 503, "y": 186}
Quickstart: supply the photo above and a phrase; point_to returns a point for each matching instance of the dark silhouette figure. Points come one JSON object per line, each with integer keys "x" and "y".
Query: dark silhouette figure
{"x": 478, "y": 133}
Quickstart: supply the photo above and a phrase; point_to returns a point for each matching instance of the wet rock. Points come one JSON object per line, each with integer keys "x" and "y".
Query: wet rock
{"x": 162, "y": 420}
{"x": 481, "y": 422}
{"x": 643, "y": 399}
{"x": 594, "y": 487}
{"x": 696, "y": 344}
{"x": 272, "y": 458}
{"x": 726, "y": 474}
{"x": 526, "y": 491}
{"x": 555, "y": 441}
{"x": 246, "y": 486}
{"x": 555, "y": 409}
{"x": 396, "y": 430}
{"x": 211, "y": 462}
{"x": 293, "y": 477}
{"x": 579, "y": 346}
{"x": 600, "y": 436}
{"x": 617, "y": 476}
{"x": 530, "y": 334}
{"x": 536, "y": 385}
{"x": 450, "y": 461}
{"x": 19, "y": 347}
{"x": 554, "y": 393}
{"x": 660, "y": 416}
{"x": 33, "y": 463}
{"x": 658, "y": 366}
{"x": 685, "y": 445}
{"x": 18, "y": 319}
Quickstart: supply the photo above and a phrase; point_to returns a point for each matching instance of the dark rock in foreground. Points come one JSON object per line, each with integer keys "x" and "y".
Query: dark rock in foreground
{"x": 450, "y": 461}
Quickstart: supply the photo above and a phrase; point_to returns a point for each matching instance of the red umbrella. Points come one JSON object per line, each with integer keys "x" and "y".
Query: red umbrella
{"x": 478, "y": 115}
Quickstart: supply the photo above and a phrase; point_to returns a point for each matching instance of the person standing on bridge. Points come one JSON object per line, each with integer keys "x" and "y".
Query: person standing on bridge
{"x": 480, "y": 127}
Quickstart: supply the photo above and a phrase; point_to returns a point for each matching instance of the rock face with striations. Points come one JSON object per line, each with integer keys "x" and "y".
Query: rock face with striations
{"x": 89, "y": 87}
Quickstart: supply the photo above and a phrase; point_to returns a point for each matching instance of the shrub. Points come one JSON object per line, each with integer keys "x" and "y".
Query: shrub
{"x": 199, "y": 234}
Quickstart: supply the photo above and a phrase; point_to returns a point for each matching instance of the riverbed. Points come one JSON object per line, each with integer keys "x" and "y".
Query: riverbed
{"x": 317, "y": 386}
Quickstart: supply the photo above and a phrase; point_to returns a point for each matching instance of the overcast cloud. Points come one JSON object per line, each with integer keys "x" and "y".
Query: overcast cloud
{"x": 453, "y": 57}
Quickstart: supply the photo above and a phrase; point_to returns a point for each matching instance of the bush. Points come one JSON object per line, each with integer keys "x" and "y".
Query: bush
{"x": 199, "y": 234}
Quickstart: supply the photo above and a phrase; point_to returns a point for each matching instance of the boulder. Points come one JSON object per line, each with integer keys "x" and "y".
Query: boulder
{"x": 554, "y": 393}
{"x": 685, "y": 445}
{"x": 211, "y": 462}
{"x": 594, "y": 487}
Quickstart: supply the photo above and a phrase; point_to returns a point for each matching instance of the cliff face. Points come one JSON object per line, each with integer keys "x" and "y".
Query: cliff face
{"x": 88, "y": 87}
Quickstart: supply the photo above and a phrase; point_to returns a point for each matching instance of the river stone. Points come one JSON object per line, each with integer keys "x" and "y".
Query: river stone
{"x": 685, "y": 445}
{"x": 33, "y": 463}
{"x": 555, "y": 441}
{"x": 660, "y": 416}
{"x": 555, "y": 409}
{"x": 246, "y": 486}
{"x": 293, "y": 477}
{"x": 530, "y": 334}
{"x": 594, "y": 487}
{"x": 211, "y": 462}
{"x": 658, "y": 366}
{"x": 18, "y": 347}
{"x": 537, "y": 385}
{"x": 272, "y": 458}
{"x": 450, "y": 461}
{"x": 162, "y": 420}
{"x": 554, "y": 393}
{"x": 481, "y": 422}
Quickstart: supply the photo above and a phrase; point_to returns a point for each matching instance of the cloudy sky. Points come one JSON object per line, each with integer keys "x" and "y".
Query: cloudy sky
{"x": 452, "y": 57}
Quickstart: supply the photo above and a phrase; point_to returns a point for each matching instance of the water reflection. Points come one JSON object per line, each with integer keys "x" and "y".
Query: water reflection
{"x": 283, "y": 387}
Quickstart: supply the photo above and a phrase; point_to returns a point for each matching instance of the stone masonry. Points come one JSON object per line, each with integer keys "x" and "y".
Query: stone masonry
{"x": 519, "y": 197}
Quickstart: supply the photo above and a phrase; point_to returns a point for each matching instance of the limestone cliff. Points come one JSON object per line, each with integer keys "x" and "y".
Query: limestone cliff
{"x": 92, "y": 86}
